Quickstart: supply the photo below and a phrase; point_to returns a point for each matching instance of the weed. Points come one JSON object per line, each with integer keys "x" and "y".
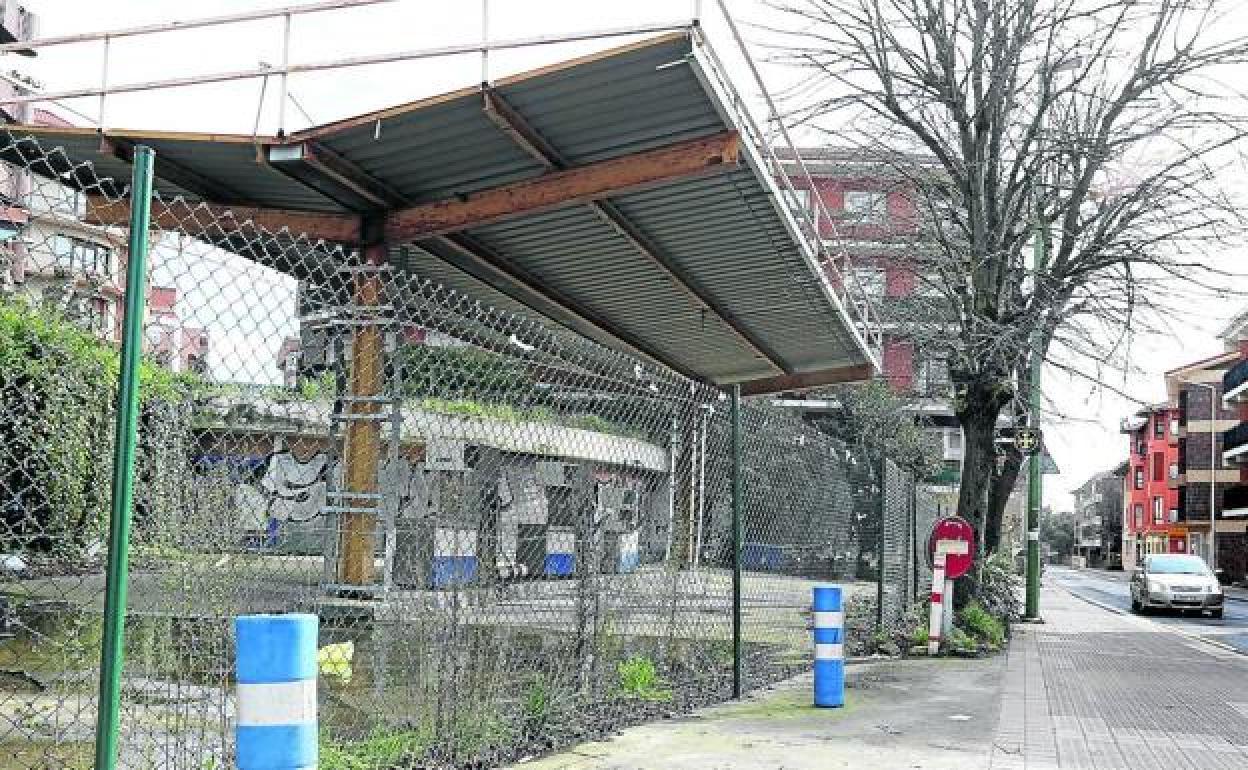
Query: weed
{"x": 383, "y": 747}
{"x": 640, "y": 679}
{"x": 976, "y": 620}
{"x": 539, "y": 705}
{"x": 919, "y": 636}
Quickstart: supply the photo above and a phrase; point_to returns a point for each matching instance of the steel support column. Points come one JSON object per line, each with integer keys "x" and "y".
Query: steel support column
{"x": 738, "y": 507}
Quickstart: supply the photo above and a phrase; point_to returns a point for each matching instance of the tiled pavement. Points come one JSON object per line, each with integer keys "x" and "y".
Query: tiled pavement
{"x": 1092, "y": 689}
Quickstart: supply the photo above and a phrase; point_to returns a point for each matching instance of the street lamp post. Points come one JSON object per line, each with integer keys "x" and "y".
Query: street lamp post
{"x": 1035, "y": 481}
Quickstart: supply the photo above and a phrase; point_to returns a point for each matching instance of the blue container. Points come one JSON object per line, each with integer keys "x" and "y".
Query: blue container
{"x": 559, "y": 564}
{"x": 453, "y": 570}
{"x": 829, "y": 647}
{"x": 761, "y": 557}
{"x": 275, "y": 660}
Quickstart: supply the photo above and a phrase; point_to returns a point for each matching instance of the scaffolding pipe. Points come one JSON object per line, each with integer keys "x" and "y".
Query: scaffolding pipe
{"x": 485, "y": 39}
{"x": 175, "y": 26}
{"x": 353, "y": 61}
{"x": 281, "y": 105}
{"x": 738, "y": 506}
{"x": 112, "y": 649}
{"x": 104, "y": 81}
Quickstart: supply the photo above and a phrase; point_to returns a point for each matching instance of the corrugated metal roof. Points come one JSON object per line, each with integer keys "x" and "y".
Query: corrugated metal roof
{"x": 721, "y": 290}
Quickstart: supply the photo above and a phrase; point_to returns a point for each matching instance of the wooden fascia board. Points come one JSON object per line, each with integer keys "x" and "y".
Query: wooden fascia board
{"x": 580, "y": 184}
{"x": 223, "y": 219}
{"x": 806, "y": 380}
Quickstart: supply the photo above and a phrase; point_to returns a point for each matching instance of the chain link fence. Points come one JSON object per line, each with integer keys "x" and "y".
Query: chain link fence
{"x": 515, "y": 538}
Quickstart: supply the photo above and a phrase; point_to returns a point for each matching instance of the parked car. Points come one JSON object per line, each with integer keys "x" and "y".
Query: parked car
{"x": 1175, "y": 581}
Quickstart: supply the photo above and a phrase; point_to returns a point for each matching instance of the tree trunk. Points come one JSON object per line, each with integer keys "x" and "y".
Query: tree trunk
{"x": 980, "y": 404}
{"x": 1003, "y": 481}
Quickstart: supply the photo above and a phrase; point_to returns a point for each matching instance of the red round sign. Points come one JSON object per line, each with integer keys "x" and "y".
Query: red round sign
{"x": 956, "y": 537}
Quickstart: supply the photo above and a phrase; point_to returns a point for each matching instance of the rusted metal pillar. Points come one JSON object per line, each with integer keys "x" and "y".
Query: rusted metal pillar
{"x": 363, "y": 416}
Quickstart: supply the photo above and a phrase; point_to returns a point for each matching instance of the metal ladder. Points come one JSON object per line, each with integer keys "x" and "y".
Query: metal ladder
{"x": 383, "y": 504}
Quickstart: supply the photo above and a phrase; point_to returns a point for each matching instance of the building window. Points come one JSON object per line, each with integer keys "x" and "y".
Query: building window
{"x": 1174, "y": 515}
{"x": 1182, "y": 408}
{"x": 1158, "y": 505}
{"x": 931, "y": 378}
{"x": 1159, "y": 466}
{"x": 82, "y": 256}
{"x": 1174, "y": 427}
{"x": 864, "y": 206}
{"x": 803, "y": 200}
{"x": 873, "y": 280}
{"x": 1139, "y": 515}
{"x": 1159, "y": 426}
{"x": 1139, "y": 478}
{"x": 1174, "y": 472}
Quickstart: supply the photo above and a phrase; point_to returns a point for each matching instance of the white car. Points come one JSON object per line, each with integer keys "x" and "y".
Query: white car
{"x": 1175, "y": 581}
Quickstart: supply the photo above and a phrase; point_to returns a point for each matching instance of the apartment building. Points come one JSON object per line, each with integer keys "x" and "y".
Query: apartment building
{"x": 50, "y": 257}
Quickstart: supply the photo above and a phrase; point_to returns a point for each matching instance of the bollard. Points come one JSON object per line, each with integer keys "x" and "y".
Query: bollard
{"x": 275, "y": 656}
{"x": 936, "y": 618}
{"x": 829, "y": 647}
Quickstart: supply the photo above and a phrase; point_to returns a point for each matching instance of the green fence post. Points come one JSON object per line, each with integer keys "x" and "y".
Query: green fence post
{"x": 738, "y": 503}
{"x": 879, "y": 543}
{"x": 112, "y": 651}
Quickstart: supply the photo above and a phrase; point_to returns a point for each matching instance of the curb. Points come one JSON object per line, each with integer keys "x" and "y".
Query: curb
{"x": 1173, "y": 629}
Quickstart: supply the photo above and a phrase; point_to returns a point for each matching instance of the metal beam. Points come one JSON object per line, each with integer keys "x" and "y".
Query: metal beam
{"x": 466, "y": 255}
{"x": 174, "y": 26}
{"x": 217, "y": 219}
{"x": 689, "y": 159}
{"x": 347, "y": 62}
{"x": 174, "y": 173}
{"x": 512, "y": 123}
{"x": 806, "y": 380}
{"x": 324, "y": 171}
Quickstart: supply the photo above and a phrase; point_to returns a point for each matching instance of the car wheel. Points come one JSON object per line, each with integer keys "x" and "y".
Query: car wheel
{"x": 1216, "y": 614}
{"x": 1135, "y": 605}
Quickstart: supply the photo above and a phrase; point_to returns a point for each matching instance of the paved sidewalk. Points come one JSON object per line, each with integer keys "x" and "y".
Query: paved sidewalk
{"x": 1093, "y": 689}
{"x": 1088, "y": 688}
{"x": 929, "y": 714}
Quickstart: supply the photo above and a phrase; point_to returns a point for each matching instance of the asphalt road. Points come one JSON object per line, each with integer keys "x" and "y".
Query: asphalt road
{"x": 1110, "y": 588}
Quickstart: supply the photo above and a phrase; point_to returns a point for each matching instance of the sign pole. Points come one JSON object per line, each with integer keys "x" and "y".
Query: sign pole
{"x": 935, "y": 619}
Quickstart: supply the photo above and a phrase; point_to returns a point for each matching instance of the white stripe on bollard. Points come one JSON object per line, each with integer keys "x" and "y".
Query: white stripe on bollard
{"x": 276, "y": 703}
{"x": 829, "y": 619}
{"x": 829, "y": 651}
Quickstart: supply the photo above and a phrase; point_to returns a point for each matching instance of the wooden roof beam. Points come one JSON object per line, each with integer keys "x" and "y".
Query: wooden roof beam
{"x": 689, "y": 159}
{"x": 218, "y": 219}
{"x": 528, "y": 138}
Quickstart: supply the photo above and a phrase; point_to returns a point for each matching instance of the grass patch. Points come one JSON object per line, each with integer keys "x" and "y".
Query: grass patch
{"x": 381, "y": 748}
{"x": 981, "y": 624}
{"x": 639, "y": 678}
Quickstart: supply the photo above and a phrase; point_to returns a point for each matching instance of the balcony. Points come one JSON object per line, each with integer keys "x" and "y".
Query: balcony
{"x": 1235, "y": 383}
{"x": 1235, "y": 445}
{"x": 1235, "y": 502}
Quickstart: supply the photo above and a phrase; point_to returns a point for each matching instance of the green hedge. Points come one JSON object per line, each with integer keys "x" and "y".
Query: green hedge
{"x": 57, "y": 390}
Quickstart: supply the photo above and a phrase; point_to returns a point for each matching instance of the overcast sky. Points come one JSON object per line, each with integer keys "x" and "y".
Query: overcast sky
{"x": 1083, "y": 442}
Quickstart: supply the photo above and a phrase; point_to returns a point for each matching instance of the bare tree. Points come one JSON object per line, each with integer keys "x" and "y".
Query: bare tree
{"x": 1094, "y": 131}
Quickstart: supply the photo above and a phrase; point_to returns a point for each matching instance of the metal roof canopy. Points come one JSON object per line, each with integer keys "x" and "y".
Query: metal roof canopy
{"x": 616, "y": 194}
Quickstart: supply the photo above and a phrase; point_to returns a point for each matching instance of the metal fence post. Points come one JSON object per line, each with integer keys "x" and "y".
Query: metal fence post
{"x": 879, "y": 547}
{"x": 112, "y": 653}
{"x": 738, "y": 504}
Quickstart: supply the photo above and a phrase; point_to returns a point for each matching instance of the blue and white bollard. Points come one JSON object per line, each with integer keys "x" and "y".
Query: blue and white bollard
{"x": 829, "y": 647}
{"x": 275, "y": 656}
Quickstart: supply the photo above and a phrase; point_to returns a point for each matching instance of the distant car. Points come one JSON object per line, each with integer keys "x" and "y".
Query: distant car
{"x": 1175, "y": 581}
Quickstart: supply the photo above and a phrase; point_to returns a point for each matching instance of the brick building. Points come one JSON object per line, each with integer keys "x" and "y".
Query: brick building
{"x": 1151, "y": 515}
